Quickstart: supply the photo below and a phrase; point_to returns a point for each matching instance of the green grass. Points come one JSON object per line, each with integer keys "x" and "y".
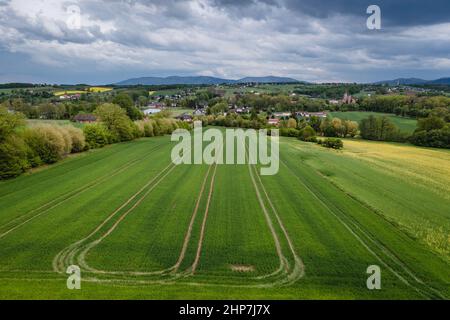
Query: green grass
{"x": 123, "y": 214}
{"x": 55, "y": 122}
{"x": 406, "y": 125}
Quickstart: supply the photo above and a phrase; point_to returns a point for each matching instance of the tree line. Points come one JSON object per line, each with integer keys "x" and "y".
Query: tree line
{"x": 25, "y": 146}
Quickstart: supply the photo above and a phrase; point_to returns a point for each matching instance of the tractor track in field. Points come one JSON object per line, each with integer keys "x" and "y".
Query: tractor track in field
{"x": 298, "y": 270}
{"x": 77, "y": 251}
{"x": 299, "y": 267}
{"x": 353, "y": 227}
{"x": 191, "y": 224}
{"x": 194, "y": 265}
{"x": 173, "y": 269}
{"x": 67, "y": 255}
{"x": 69, "y": 195}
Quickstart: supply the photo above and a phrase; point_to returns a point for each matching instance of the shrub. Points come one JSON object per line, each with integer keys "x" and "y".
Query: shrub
{"x": 96, "y": 135}
{"x": 307, "y": 134}
{"x": 333, "y": 143}
{"x": 148, "y": 129}
{"x": 289, "y": 132}
{"x": 67, "y": 139}
{"x": 166, "y": 125}
{"x": 13, "y": 157}
{"x": 78, "y": 140}
{"x": 311, "y": 139}
{"x": 433, "y": 138}
{"x": 45, "y": 142}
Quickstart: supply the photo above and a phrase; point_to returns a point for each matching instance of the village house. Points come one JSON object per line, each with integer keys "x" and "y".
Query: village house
{"x": 185, "y": 117}
{"x": 307, "y": 115}
{"x": 151, "y": 111}
{"x": 273, "y": 122}
{"x": 85, "y": 118}
{"x": 199, "y": 112}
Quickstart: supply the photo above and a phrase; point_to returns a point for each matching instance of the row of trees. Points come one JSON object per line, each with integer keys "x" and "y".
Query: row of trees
{"x": 432, "y": 132}
{"x": 408, "y": 106}
{"x": 23, "y": 147}
{"x": 51, "y": 110}
{"x": 380, "y": 129}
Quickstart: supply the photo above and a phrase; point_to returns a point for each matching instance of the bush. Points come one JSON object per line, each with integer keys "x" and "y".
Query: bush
{"x": 96, "y": 135}
{"x": 311, "y": 139}
{"x": 166, "y": 125}
{"x": 13, "y": 157}
{"x": 307, "y": 134}
{"x": 289, "y": 132}
{"x": 78, "y": 140}
{"x": 433, "y": 138}
{"x": 148, "y": 129}
{"x": 333, "y": 143}
{"x": 67, "y": 139}
{"x": 46, "y": 142}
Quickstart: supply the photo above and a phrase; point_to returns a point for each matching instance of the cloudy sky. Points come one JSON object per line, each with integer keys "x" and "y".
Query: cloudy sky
{"x": 99, "y": 42}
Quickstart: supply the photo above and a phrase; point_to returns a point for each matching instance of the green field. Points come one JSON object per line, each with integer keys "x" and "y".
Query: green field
{"x": 406, "y": 125}
{"x": 140, "y": 227}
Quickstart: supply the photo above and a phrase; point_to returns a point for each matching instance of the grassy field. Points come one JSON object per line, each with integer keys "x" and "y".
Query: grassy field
{"x": 55, "y": 122}
{"x": 140, "y": 227}
{"x": 406, "y": 125}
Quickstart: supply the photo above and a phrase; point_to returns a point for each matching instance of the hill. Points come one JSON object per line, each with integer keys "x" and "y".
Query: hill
{"x": 200, "y": 80}
{"x": 414, "y": 81}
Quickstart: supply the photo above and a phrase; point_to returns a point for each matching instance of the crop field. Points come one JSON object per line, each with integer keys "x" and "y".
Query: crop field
{"x": 406, "y": 125}
{"x": 99, "y": 89}
{"x": 140, "y": 227}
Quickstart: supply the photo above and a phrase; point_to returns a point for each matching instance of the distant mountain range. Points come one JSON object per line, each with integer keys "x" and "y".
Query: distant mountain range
{"x": 199, "y": 80}
{"x": 412, "y": 81}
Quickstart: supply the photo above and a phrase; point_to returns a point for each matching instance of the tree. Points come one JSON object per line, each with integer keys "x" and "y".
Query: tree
{"x": 430, "y": 123}
{"x": 380, "y": 129}
{"x": 116, "y": 120}
{"x": 13, "y": 157}
{"x": 218, "y": 108}
{"x": 96, "y": 135}
{"x": 291, "y": 123}
{"x": 351, "y": 128}
{"x": 124, "y": 101}
{"x": 9, "y": 122}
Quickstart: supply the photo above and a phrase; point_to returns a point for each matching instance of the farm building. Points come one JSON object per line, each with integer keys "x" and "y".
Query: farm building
{"x": 151, "y": 111}
{"x": 199, "y": 112}
{"x": 185, "y": 117}
{"x": 304, "y": 114}
{"x": 85, "y": 118}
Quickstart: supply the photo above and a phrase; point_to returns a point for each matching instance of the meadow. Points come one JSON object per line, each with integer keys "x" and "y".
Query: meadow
{"x": 55, "y": 122}
{"x": 142, "y": 228}
{"x": 407, "y": 125}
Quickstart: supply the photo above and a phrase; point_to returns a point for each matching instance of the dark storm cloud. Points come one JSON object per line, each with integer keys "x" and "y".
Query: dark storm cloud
{"x": 304, "y": 39}
{"x": 395, "y": 12}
